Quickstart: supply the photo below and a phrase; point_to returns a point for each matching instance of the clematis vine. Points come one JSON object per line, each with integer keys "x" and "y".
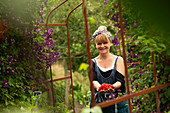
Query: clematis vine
{"x": 5, "y": 83}
{"x": 115, "y": 41}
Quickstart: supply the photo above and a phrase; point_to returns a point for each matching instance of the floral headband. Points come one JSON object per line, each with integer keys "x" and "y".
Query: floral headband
{"x": 102, "y": 30}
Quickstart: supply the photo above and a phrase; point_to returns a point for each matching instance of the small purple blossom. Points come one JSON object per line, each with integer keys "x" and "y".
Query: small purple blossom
{"x": 118, "y": 49}
{"x": 115, "y": 41}
{"x": 140, "y": 72}
{"x": 133, "y": 80}
{"x": 56, "y": 53}
{"x": 40, "y": 11}
{"x": 136, "y": 56}
{"x": 46, "y": 88}
{"x": 5, "y": 83}
{"x": 105, "y": 2}
{"x": 50, "y": 31}
{"x": 115, "y": 17}
{"x": 13, "y": 71}
{"x": 128, "y": 37}
{"x": 135, "y": 24}
{"x": 7, "y": 72}
{"x": 136, "y": 86}
{"x": 41, "y": 20}
{"x": 119, "y": 90}
{"x": 25, "y": 89}
{"x": 129, "y": 50}
{"x": 45, "y": 1}
{"x": 31, "y": 88}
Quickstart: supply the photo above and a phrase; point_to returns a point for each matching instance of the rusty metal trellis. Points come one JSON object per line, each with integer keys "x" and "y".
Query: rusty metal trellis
{"x": 64, "y": 24}
{"x": 110, "y": 102}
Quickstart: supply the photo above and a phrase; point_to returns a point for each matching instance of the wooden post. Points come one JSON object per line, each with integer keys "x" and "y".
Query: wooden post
{"x": 67, "y": 92}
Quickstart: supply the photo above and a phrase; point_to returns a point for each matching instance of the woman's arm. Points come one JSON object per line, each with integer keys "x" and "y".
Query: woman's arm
{"x": 96, "y": 84}
{"x": 120, "y": 67}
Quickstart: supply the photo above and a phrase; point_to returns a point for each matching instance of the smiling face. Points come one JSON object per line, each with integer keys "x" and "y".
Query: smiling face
{"x": 102, "y": 43}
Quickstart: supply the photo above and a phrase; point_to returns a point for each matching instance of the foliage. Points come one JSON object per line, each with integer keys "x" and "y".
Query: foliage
{"x": 25, "y": 53}
{"x": 27, "y": 50}
{"x": 26, "y": 107}
{"x": 95, "y": 109}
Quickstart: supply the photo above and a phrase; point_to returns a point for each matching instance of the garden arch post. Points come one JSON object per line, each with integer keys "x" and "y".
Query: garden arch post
{"x": 88, "y": 49}
{"x": 124, "y": 53}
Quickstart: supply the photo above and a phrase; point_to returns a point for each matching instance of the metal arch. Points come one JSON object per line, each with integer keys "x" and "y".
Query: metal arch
{"x": 51, "y": 12}
{"x": 61, "y": 24}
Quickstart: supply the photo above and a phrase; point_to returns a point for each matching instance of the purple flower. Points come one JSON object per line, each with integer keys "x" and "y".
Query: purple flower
{"x": 128, "y": 37}
{"x": 136, "y": 86}
{"x": 105, "y": 2}
{"x": 41, "y": 20}
{"x": 5, "y": 83}
{"x": 13, "y": 71}
{"x": 108, "y": 15}
{"x": 46, "y": 88}
{"x": 116, "y": 24}
{"x": 115, "y": 41}
{"x": 7, "y": 72}
{"x": 136, "y": 56}
{"x": 135, "y": 24}
{"x": 107, "y": 98}
{"x": 30, "y": 77}
{"x": 118, "y": 49}
{"x": 31, "y": 88}
{"x": 37, "y": 80}
{"x": 50, "y": 31}
{"x": 56, "y": 53}
{"x": 140, "y": 72}
{"x": 119, "y": 90}
{"x": 133, "y": 80}
{"x": 112, "y": 96}
{"x": 115, "y": 17}
{"x": 40, "y": 12}
{"x": 145, "y": 65}
{"x": 45, "y": 1}
{"x": 36, "y": 22}
{"x": 25, "y": 89}
{"x": 129, "y": 50}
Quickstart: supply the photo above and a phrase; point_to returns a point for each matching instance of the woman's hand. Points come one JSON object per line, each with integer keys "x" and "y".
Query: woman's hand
{"x": 106, "y": 88}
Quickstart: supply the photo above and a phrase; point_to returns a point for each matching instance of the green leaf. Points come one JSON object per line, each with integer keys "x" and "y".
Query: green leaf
{"x": 83, "y": 66}
{"x": 85, "y": 110}
{"x": 96, "y": 109}
{"x": 167, "y": 94}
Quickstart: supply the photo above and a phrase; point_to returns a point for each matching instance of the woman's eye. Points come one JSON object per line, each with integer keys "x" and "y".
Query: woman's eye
{"x": 99, "y": 43}
{"x": 105, "y": 42}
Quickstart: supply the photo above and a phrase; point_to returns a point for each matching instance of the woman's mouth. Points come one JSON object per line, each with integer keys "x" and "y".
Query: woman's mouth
{"x": 102, "y": 48}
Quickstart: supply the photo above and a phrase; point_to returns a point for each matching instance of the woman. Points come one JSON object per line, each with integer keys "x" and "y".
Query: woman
{"x": 108, "y": 68}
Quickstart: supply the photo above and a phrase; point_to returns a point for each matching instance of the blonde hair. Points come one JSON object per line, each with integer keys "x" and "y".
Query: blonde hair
{"x": 102, "y": 35}
{"x": 102, "y": 38}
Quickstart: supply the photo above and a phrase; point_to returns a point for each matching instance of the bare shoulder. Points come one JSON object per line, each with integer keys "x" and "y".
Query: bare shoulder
{"x": 120, "y": 60}
{"x": 120, "y": 67}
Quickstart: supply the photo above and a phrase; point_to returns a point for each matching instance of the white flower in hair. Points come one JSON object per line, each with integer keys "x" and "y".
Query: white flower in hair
{"x": 102, "y": 30}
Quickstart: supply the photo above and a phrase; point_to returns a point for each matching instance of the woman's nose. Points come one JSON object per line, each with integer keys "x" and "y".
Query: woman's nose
{"x": 102, "y": 45}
